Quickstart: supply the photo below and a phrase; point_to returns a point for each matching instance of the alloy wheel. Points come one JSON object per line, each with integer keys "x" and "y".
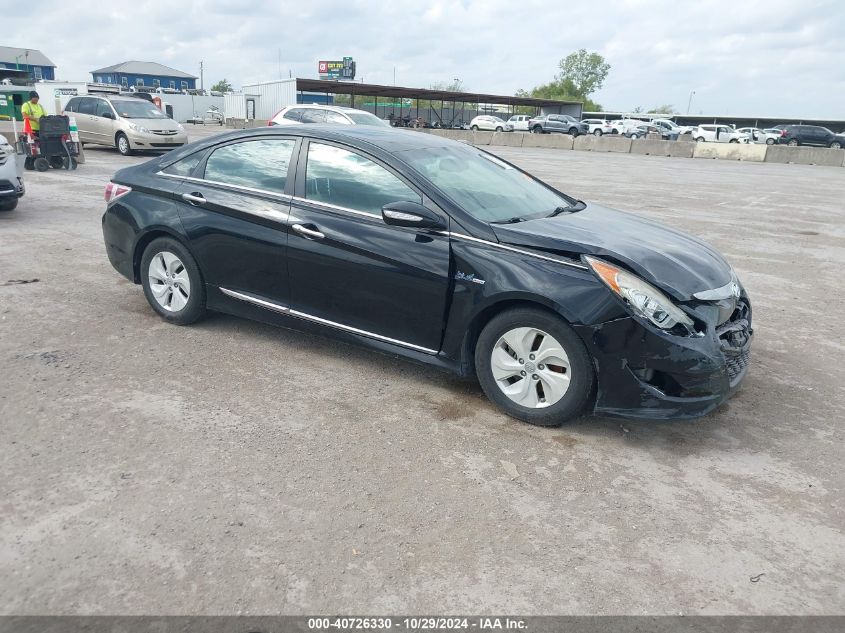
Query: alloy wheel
{"x": 169, "y": 281}
{"x": 530, "y": 367}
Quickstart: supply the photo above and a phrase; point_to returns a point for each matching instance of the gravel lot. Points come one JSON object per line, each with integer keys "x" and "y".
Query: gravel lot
{"x": 231, "y": 467}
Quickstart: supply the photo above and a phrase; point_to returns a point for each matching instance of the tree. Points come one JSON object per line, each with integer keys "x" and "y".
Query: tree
{"x": 584, "y": 72}
{"x": 664, "y": 109}
{"x": 222, "y": 86}
{"x": 581, "y": 74}
{"x": 456, "y": 85}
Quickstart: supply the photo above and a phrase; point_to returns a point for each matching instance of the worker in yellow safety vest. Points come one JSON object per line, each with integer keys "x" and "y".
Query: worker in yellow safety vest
{"x": 33, "y": 111}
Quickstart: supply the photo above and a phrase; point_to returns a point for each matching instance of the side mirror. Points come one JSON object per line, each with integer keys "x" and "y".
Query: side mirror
{"x": 107, "y": 115}
{"x": 411, "y": 215}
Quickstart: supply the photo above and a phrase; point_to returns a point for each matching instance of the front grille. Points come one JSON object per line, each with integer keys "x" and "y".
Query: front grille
{"x": 737, "y": 363}
{"x": 164, "y": 132}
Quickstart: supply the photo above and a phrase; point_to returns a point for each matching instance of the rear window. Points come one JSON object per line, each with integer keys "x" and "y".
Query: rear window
{"x": 259, "y": 164}
{"x": 185, "y": 166}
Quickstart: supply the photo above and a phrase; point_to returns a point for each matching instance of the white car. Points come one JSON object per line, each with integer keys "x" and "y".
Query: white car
{"x": 624, "y": 126}
{"x": 756, "y": 135}
{"x": 11, "y": 176}
{"x": 298, "y": 114}
{"x": 719, "y": 134}
{"x": 599, "y": 126}
{"x": 670, "y": 126}
{"x": 519, "y": 122}
{"x": 488, "y": 122}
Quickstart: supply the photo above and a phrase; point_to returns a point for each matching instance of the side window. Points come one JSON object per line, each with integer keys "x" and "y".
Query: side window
{"x": 294, "y": 114}
{"x": 346, "y": 179}
{"x": 103, "y": 108}
{"x": 313, "y": 115}
{"x": 185, "y": 166}
{"x": 260, "y": 164}
{"x": 335, "y": 117}
{"x": 87, "y": 105}
{"x": 71, "y": 105}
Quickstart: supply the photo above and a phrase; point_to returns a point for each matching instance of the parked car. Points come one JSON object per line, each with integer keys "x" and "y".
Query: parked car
{"x": 11, "y": 176}
{"x": 719, "y": 134}
{"x": 623, "y": 126}
{"x": 672, "y": 127}
{"x": 437, "y": 251}
{"x": 756, "y": 135}
{"x": 641, "y": 131}
{"x": 563, "y": 123}
{"x": 519, "y": 122}
{"x": 490, "y": 122}
{"x": 298, "y": 114}
{"x": 127, "y": 123}
{"x": 598, "y": 127}
{"x": 810, "y": 135}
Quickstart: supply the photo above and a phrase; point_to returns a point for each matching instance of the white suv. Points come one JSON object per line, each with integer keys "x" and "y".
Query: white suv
{"x": 718, "y": 134}
{"x": 297, "y": 114}
{"x": 599, "y": 126}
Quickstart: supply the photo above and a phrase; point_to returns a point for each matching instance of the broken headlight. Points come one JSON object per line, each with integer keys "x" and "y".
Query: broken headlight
{"x": 642, "y": 298}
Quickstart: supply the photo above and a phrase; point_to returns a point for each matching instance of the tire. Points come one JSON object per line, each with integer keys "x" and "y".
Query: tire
{"x": 573, "y": 131}
{"x": 700, "y": 139}
{"x": 69, "y": 163}
{"x": 597, "y": 132}
{"x": 162, "y": 258}
{"x": 8, "y": 204}
{"x": 29, "y": 163}
{"x": 499, "y": 129}
{"x": 122, "y": 143}
{"x": 835, "y": 145}
{"x": 474, "y": 128}
{"x": 770, "y": 141}
{"x": 634, "y": 136}
{"x": 530, "y": 325}
{"x": 793, "y": 142}
{"x": 56, "y": 162}
{"x": 42, "y": 164}
{"x": 537, "y": 130}
{"x": 733, "y": 140}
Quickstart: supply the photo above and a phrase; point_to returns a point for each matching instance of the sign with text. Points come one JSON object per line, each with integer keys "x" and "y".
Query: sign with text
{"x": 337, "y": 70}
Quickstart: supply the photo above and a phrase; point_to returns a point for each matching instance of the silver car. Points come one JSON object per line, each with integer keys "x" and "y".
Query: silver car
{"x": 489, "y": 122}
{"x": 298, "y": 114}
{"x": 127, "y": 123}
{"x": 11, "y": 176}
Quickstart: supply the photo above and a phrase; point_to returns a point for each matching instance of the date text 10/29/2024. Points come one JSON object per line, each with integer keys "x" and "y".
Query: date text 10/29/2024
{"x": 416, "y": 624}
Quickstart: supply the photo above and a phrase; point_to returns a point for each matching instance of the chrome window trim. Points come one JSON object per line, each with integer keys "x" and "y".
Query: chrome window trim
{"x": 469, "y": 238}
{"x": 308, "y": 317}
{"x": 283, "y": 196}
{"x": 334, "y": 207}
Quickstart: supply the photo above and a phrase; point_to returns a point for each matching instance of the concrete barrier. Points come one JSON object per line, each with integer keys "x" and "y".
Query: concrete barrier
{"x": 805, "y": 155}
{"x": 556, "y": 141}
{"x": 730, "y": 151}
{"x": 662, "y": 148}
{"x": 507, "y": 139}
{"x": 455, "y": 135}
{"x": 611, "y": 143}
{"x": 481, "y": 138}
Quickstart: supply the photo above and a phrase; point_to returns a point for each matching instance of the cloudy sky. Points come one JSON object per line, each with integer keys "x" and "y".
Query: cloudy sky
{"x": 741, "y": 57}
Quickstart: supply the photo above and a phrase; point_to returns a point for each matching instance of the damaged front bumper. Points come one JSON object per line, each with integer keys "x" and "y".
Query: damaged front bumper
{"x": 646, "y": 373}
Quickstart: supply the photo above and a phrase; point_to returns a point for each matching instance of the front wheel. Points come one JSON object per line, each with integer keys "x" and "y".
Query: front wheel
{"x": 8, "y": 204}
{"x": 573, "y": 131}
{"x": 733, "y": 140}
{"x": 836, "y": 145}
{"x": 793, "y": 142}
{"x": 536, "y": 130}
{"x": 499, "y": 129}
{"x": 172, "y": 281}
{"x": 533, "y": 365}
{"x": 123, "y": 145}
{"x": 474, "y": 128}
{"x": 597, "y": 132}
{"x": 700, "y": 139}
{"x": 770, "y": 141}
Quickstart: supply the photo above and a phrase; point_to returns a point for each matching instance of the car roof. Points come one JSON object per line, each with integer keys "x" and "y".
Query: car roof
{"x": 325, "y": 107}
{"x": 386, "y": 138}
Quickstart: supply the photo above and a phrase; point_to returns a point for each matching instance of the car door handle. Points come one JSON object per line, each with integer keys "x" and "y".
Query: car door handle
{"x": 310, "y": 233}
{"x": 193, "y": 198}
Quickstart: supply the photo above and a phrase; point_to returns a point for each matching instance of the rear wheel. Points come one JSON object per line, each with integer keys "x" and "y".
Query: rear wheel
{"x": 733, "y": 140}
{"x": 533, "y": 365}
{"x": 700, "y": 139}
{"x": 8, "y": 204}
{"x": 56, "y": 162}
{"x": 793, "y": 142}
{"x": 474, "y": 128}
{"x": 573, "y": 131}
{"x": 597, "y": 132}
{"x": 499, "y": 129}
{"x": 536, "y": 130}
{"x": 172, "y": 282}
{"x": 836, "y": 145}
{"x": 770, "y": 141}
{"x": 122, "y": 143}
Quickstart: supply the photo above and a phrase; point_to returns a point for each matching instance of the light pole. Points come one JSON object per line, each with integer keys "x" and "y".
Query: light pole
{"x": 689, "y": 103}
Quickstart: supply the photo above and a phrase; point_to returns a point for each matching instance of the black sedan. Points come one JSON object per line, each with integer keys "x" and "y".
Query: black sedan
{"x": 439, "y": 252}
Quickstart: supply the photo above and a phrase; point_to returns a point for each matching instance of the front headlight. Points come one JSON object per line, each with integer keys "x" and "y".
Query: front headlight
{"x": 641, "y": 297}
{"x": 179, "y": 127}
{"x": 137, "y": 128}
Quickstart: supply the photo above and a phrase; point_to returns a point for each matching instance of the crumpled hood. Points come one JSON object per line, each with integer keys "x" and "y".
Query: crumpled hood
{"x": 671, "y": 260}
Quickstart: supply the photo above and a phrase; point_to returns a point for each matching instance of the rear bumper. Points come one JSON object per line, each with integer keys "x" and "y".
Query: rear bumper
{"x": 645, "y": 374}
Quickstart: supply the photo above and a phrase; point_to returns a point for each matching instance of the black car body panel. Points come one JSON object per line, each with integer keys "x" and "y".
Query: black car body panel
{"x": 424, "y": 294}
{"x": 675, "y": 261}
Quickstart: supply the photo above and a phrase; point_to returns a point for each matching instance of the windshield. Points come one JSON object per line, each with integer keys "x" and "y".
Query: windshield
{"x": 482, "y": 185}
{"x": 365, "y": 118}
{"x": 138, "y": 110}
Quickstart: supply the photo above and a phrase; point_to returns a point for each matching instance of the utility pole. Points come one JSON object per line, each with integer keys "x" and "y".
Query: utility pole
{"x": 689, "y": 103}
{"x": 202, "y": 84}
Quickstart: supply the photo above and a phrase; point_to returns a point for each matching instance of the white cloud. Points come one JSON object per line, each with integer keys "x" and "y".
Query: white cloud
{"x": 767, "y": 57}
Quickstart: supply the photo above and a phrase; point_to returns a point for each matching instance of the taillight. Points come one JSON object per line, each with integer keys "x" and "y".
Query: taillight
{"x": 271, "y": 121}
{"x": 115, "y": 191}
